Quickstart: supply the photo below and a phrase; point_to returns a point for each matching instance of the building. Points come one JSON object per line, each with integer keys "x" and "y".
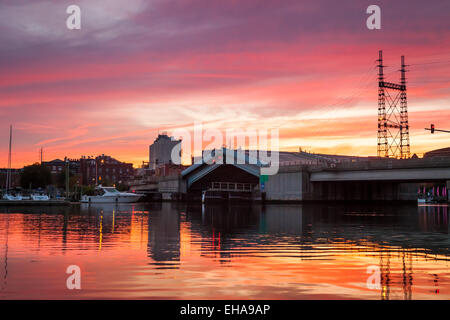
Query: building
{"x": 444, "y": 152}
{"x": 105, "y": 170}
{"x": 240, "y": 177}
{"x": 160, "y": 151}
{"x": 57, "y": 168}
{"x": 168, "y": 169}
{"x": 307, "y": 158}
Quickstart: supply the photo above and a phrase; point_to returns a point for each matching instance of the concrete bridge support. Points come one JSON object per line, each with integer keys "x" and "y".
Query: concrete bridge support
{"x": 285, "y": 186}
{"x": 297, "y": 186}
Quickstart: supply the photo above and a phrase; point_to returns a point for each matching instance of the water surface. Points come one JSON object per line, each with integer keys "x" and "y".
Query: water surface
{"x": 176, "y": 251}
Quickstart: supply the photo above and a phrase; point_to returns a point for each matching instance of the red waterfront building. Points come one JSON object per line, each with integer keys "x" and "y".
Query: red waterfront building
{"x": 105, "y": 170}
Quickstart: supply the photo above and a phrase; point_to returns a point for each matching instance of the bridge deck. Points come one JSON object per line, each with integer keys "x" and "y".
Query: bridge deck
{"x": 406, "y": 174}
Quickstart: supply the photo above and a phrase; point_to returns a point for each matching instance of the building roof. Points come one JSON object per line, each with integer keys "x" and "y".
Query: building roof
{"x": 444, "y": 152}
{"x": 54, "y": 162}
{"x": 242, "y": 161}
{"x": 241, "y": 158}
{"x": 284, "y": 157}
{"x": 165, "y": 138}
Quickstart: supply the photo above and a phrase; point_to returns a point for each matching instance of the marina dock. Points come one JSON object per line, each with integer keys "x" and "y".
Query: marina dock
{"x": 34, "y": 203}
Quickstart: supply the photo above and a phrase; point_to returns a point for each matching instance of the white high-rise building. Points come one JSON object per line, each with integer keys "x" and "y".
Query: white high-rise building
{"x": 161, "y": 149}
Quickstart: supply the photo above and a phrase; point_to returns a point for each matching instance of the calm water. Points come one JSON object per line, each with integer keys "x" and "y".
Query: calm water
{"x": 173, "y": 251}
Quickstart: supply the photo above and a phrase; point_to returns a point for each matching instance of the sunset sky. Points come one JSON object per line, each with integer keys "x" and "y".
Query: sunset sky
{"x": 139, "y": 67}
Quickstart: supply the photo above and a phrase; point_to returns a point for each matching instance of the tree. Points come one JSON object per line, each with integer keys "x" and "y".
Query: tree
{"x": 61, "y": 179}
{"x": 35, "y": 176}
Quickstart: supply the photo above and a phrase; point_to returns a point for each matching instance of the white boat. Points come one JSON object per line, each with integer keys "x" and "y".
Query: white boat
{"x": 110, "y": 195}
{"x": 10, "y": 197}
{"x": 39, "y": 197}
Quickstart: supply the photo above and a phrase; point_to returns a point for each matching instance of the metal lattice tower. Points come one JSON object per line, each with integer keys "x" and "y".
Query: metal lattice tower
{"x": 393, "y": 127}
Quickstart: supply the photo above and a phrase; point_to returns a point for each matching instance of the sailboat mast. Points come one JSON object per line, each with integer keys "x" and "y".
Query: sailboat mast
{"x": 8, "y": 174}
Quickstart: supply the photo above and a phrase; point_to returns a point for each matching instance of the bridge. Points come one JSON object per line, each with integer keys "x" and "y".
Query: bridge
{"x": 159, "y": 188}
{"x": 411, "y": 170}
{"x": 364, "y": 179}
{"x": 374, "y": 179}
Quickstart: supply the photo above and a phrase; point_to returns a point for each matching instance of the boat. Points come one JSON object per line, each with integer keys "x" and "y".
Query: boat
{"x": 110, "y": 195}
{"x": 40, "y": 197}
{"x": 11, "y": 197}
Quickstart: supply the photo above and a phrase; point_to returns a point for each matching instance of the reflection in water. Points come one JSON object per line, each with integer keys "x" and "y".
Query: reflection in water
{"x": 169, "y": 250}
{"x": 5, "y": 258}
{"x": 164, "y": 236}
{"x": 434, "y": 218}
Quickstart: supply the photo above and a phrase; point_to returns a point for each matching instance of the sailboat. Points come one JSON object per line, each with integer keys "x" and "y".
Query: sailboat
{"x": 7, "y": 195}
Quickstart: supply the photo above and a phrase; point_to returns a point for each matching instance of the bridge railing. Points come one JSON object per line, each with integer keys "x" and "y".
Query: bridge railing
{"x": 366, "y": 164}
{"x": 231, "y": 186}
{"x": 435, "y": 162}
